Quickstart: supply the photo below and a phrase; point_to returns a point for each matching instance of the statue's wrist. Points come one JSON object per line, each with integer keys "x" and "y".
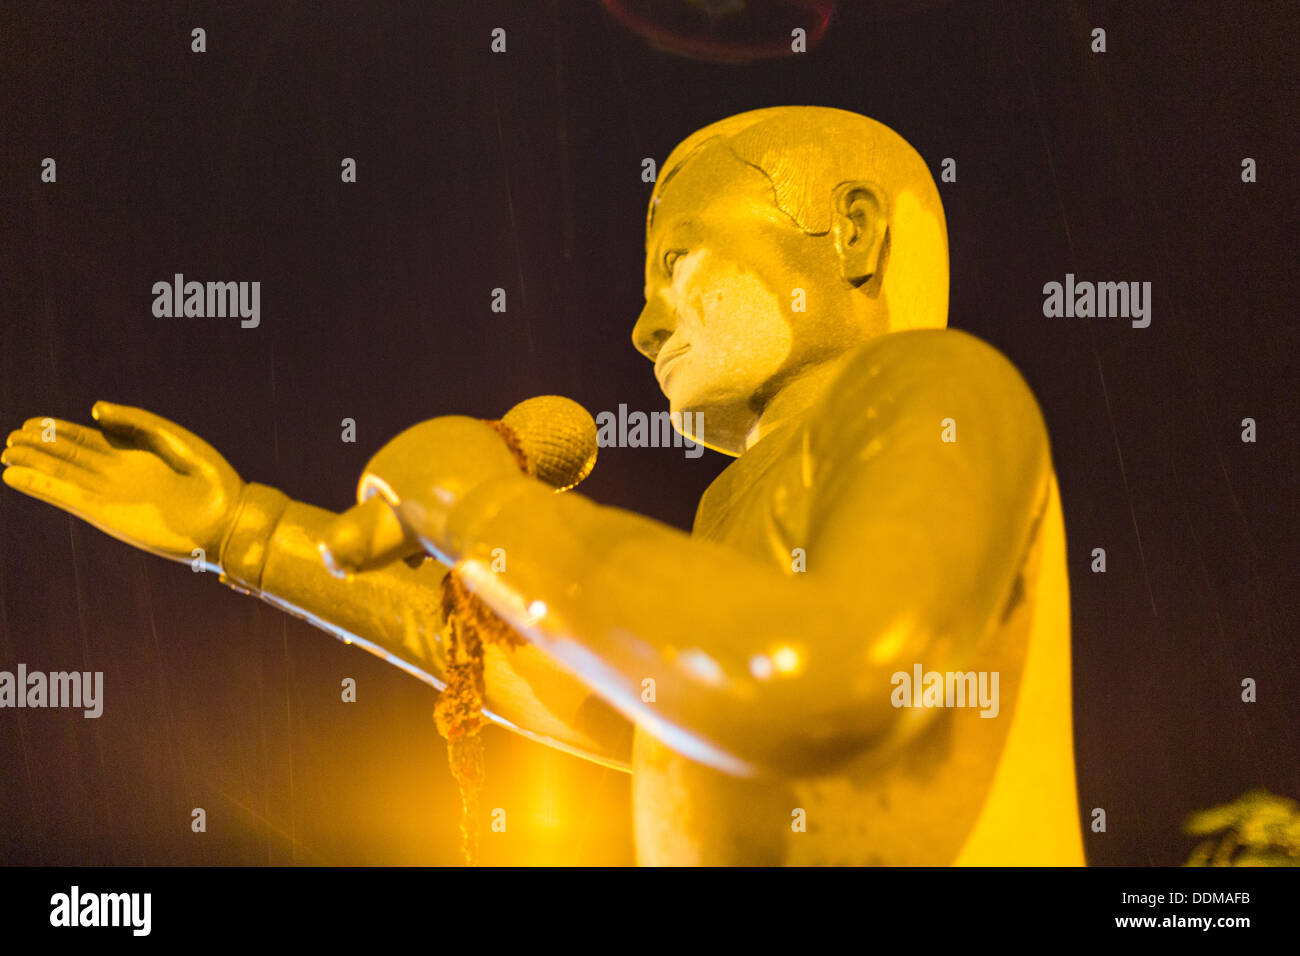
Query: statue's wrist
{"x": 247, "y": 542}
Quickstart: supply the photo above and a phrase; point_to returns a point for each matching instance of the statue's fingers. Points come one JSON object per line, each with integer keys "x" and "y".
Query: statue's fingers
{"x": 80, "y": 434}
{"x": 48, "y": 463}
{"x": 179, "y": 448}
{"x": 64, "y": 447}
{"x": 66, "y": 495}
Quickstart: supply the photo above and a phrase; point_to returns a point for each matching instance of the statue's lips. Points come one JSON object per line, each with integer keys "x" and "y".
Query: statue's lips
{"x": 664, "y": 359}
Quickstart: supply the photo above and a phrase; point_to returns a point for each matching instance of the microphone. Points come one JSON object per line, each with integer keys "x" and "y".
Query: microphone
{"x": 554, "y": 437}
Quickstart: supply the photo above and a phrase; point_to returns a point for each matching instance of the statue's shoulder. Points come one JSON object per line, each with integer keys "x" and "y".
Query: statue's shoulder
{"x": 924, "y": 364}
{"x": 920, "y": 378}
{"x": 904, "y": 353}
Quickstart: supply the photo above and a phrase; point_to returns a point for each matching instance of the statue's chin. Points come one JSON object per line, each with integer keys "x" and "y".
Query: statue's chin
{"x": 721, "y": 427}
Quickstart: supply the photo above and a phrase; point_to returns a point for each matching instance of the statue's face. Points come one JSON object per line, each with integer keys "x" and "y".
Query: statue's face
{"x": 722, "y": 268}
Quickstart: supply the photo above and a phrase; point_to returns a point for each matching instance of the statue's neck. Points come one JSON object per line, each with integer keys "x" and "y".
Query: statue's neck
{"x": 795, "y": 398}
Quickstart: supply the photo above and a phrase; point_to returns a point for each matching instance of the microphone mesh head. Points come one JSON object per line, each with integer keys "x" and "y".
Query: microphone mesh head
{"x": 558, "y": 437}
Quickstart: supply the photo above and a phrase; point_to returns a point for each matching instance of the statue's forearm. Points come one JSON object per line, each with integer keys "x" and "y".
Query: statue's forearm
{"x": 752, "y": 669}
{"x": 395, "y": 612}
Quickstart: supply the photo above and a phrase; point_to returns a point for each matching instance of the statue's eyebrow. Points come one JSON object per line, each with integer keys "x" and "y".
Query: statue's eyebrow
{"x": 683, "y": 229}
{"x": 672, "y": 236}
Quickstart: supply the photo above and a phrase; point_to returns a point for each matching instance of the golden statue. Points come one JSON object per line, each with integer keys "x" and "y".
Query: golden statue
{"x": 892, "y": 513}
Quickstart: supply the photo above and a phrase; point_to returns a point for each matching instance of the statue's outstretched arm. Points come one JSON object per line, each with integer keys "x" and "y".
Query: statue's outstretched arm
{"x": 159, "y": 487}
{"x": 913, "y": 544}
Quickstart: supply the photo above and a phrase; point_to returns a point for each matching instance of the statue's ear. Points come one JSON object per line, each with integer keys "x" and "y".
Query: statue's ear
{"x": 860, "y": 221}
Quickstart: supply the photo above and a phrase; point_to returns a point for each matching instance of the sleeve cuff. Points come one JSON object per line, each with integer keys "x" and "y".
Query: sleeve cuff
{"x": 247, "y": 543}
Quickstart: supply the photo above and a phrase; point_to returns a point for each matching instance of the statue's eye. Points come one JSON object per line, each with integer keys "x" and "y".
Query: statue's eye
{"x": 670, "y": 259}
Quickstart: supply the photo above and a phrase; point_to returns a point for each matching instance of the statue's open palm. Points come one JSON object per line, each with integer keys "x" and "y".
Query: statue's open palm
{"x": 139, "y": 477}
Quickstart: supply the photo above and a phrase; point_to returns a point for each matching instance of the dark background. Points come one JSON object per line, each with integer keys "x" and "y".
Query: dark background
{"x": 523, "y": 171}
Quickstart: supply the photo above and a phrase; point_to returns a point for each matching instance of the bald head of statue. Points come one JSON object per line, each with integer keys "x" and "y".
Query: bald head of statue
{"x": 776, "y": 241}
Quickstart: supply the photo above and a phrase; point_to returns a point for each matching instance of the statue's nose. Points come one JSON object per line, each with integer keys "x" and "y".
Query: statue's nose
{"x": 652, "y": 329}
